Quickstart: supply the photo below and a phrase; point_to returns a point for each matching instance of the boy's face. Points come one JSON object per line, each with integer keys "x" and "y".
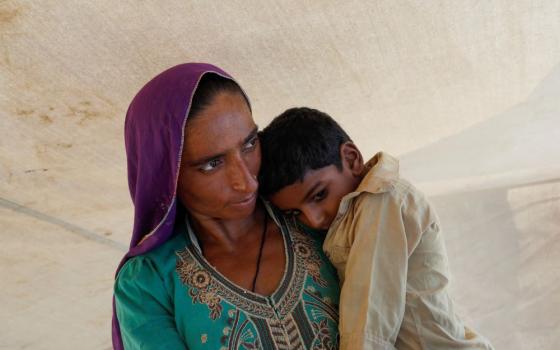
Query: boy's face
{"x": 315, "y": 200}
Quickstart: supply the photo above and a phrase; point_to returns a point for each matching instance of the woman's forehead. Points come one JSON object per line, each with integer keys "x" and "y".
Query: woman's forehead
{"x": 224, "y": 125}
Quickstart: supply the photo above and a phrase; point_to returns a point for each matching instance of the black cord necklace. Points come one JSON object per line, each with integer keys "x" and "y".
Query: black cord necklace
{"x": 263, "y": 238}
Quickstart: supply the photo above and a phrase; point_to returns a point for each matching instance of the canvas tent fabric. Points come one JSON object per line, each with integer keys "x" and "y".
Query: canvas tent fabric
{"x": 465, "y": 93}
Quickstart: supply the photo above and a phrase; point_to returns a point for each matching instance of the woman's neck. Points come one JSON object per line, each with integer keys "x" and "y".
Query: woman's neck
{"x": 227, "y": 234}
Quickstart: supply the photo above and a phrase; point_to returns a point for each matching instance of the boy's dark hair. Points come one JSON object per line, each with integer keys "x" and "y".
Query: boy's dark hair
{"x": 298, "y": 140}
{"x": 209, "y": 86}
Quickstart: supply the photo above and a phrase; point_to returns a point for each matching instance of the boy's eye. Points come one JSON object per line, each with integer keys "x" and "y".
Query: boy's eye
{"x": 251, "y": 144}
{"x": 292, "y": 212}
{"x": 319, "y": 196}
{"x": 211, "y": 165}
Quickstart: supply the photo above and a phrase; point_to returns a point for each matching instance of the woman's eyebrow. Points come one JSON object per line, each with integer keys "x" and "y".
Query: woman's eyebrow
{"x": 205, "y": 160}
{"x": 251, "y": 135}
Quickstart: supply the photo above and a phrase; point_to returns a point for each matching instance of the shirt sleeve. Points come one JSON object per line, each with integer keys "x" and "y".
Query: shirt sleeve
{"x": 384, "y": 229}
{"x": 144, "y": 308}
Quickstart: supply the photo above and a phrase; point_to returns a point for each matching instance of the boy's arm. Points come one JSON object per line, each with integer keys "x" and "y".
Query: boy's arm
{"x": 373, "y": 293}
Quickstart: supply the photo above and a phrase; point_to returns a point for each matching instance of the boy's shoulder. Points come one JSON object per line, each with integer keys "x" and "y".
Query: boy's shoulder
{"x": 382, "y": 188}
{"x": 382, "y": 176}
{"x": 382, "y": 179}
{"x": 381, "y": 185}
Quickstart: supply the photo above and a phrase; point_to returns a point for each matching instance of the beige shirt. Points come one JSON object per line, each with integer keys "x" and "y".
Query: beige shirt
{"x": 389, "y": 251}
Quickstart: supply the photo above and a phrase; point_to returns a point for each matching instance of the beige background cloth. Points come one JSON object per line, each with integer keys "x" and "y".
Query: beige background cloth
{"x": 464, "y": 92}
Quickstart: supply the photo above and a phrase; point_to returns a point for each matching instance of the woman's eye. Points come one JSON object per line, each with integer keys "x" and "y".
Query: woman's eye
{"x": 319, "y": 196}
{"x": 211, "y": 165}
{"x": 251, "y": 144}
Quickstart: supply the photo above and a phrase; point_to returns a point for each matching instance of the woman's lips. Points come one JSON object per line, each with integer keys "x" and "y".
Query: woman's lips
{"x": 246, "y": 200}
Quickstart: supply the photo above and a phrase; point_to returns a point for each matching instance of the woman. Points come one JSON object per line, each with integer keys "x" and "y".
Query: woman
{"x": 210, "y": 265}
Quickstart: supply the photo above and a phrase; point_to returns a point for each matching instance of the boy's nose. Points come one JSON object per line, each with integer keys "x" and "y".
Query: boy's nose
{"x": 316, "y": 219}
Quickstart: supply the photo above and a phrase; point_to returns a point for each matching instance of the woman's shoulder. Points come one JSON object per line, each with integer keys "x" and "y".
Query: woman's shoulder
{"x": 160, "y": 260}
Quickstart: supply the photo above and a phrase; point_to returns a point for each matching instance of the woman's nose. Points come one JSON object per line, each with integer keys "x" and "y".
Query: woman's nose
{"x": 241, "y": 177}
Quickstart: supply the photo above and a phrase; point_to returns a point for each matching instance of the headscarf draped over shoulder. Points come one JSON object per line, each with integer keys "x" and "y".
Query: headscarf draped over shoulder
{"x": 154, "y": 133}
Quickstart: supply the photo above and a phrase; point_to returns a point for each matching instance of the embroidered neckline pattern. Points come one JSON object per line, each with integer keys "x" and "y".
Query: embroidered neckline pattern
{"x": 207, "y": 286}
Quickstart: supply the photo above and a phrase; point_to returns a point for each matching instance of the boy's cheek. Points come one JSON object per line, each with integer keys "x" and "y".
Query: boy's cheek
{"x": 310, "y": 230}
{"x": 302, "y": 219}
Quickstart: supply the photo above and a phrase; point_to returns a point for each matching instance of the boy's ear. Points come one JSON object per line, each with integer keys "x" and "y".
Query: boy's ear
{"x": 352, "y": 158}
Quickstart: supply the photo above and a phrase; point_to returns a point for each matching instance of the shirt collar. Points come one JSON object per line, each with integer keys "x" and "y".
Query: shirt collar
{"x": 380, "y": 173}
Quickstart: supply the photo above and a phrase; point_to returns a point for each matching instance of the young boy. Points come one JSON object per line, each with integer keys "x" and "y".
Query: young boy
{"x": 383, "y": 236}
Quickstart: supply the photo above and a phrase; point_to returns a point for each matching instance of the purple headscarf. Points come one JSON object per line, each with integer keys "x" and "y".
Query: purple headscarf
{"x": 154, "y": 133}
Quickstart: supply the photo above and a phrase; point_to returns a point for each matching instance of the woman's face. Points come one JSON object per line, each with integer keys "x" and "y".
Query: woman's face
{"x": 220, "y": 161}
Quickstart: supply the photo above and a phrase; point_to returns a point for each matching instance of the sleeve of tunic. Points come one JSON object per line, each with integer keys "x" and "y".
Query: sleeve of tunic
{"x": 144, "y": 307}
{"x": 383, "y": 231}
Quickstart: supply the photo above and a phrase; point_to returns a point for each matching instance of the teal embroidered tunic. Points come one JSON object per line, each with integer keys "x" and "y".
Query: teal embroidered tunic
{"x": 172, "y": 298}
